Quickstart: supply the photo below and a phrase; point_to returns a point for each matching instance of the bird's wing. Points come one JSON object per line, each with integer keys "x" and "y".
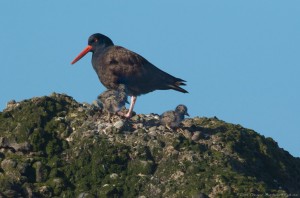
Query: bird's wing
{"x": 167, "y": 117}
{"x": 135, "y": 71}
{"x": 125, "y": 63}
{"x": 106, "y": 94}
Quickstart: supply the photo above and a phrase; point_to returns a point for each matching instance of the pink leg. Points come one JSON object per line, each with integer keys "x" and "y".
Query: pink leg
{"x": 132, "y": 102}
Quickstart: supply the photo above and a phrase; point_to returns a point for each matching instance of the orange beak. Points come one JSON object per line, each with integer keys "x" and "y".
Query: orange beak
{"x": 82, "y": 54}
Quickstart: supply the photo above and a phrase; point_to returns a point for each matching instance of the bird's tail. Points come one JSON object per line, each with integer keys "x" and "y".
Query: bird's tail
{"x": 176, "y": 85}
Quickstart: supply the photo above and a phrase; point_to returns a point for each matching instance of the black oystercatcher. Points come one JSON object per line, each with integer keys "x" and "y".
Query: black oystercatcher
{"x": 172, "y": 119}
{"x": 113, "y": 100}
{"x": 116, "y": 65}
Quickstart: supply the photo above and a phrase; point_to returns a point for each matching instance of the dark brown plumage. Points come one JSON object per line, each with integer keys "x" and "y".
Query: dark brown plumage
{"x": 116, "y": 65}
{"x": 172, "y": 119}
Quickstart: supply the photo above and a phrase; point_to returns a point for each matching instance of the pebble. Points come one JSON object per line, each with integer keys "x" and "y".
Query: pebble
{"x": 154, "y": 128}
{"x": 152, "y": 133}
{"x": 80, "y": 109}
{"x": 97, "y": 103}
{"x": 83, "y": 195}
{"x": 187, "y": 134}
{"x": 6, "y": 164}
{"x": 135, "y": 118}
{"x": 114, "y": 176}
{"x": 119, "y": 124}
{"x": 175, "y": 153}
{"x": 161, "y": 128}
{"x": 196, "y": 136}
{"x": 102, "y": 126}
{"x": 138, "y": 125}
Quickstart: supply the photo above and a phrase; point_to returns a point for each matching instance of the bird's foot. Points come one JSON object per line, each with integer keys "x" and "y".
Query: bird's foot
{"x": 122, "y": 114}
{"x": 127, "y": 115}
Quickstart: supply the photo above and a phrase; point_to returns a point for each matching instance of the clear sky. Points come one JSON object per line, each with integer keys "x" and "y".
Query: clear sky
{"x": 241, "y": 59}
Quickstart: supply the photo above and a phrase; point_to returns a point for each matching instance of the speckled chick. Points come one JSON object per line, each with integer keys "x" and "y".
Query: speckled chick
{"x": 172, "y": 119}
{"x": 113, "y": 100}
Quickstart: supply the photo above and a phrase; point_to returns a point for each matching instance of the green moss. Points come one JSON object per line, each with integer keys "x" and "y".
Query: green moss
{"x": 140, "y": 167}
{"x": 38, "y": 139}
{"x": 109, "y": 191}
{"x": 181, "y": 142}
{"x": 58, "y": 185}
{"x": 53, "y": 147}
{"x": 5, "y": 183}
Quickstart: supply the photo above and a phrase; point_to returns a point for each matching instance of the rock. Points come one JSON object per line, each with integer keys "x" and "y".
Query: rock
{"x": 152, "y": 133}
{"x": 80, "y": 109}
{"x": 103, "y": 126}
{"x": 119, "y": 124}
{"x": 22, "y": 147}
{"x": 29, "y": 193}
{"x": 175, "y": 153}
{"x": 177, "y": 175}
{"x": 97, "y": 104}
{"x": 11, "y": 193}
{"x": 41, "y": 172}
{"x": 53, "y": 146}
{"x": 154, "y": 128}
{"x": 8, "y": 164}
{"x": 161, "y": 128}
{"x": 141, "y": 167}
{"x": 187, "y": 134}
{"x": 114, "y": 176}
{"x": 189, "y": 122}
{"x": 13, "y": 146}
{"x": 83, "y": 195}
{"x": 45, "y": 191}
{"x": 57, "y": 185}
{"x": 136, "y": 118}
{"x": 29, "y": 190}
{"x": 200, "y": 195}
{"x": 23, "y": 167}
{"x": 138, "y": 126}
{"x": 196, "y": 136}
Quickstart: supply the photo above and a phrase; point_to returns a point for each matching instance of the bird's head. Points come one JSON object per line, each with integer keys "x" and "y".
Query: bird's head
{"x": 96, "y": 41}
{"x": 182, "y": 109}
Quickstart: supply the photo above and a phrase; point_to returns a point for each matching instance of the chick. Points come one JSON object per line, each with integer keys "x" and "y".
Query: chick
{"x": 172, "y": 119}
{"x": 113, "y": 100}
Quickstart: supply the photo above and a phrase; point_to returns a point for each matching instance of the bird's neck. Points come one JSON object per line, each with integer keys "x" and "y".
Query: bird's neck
{"x": 101, "y": 48}
{"x": 98, "y": 53}
{"x": 180, "y": 115}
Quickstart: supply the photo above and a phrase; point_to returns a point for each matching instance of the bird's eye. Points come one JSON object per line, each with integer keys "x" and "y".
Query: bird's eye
{"x": 95, "y": 40}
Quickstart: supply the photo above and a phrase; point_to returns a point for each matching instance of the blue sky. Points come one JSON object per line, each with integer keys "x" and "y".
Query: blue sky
{"x": 240, "y": 58}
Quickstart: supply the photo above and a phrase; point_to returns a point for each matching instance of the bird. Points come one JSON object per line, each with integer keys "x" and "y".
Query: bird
{"x": 116, "y": 65}
{"x": 114, "y": 100}
{"x": 172, "y": 119}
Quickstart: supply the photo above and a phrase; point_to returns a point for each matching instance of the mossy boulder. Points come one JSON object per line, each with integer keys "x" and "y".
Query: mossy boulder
{"x": 53, "y": 146}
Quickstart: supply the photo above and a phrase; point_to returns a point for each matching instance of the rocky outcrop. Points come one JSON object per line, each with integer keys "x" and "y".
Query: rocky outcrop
{"x": 53, "y": 146}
